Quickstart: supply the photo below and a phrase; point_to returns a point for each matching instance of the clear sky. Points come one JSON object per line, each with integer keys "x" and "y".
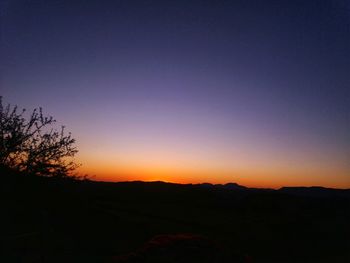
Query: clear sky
{"x": 253, "y": 92}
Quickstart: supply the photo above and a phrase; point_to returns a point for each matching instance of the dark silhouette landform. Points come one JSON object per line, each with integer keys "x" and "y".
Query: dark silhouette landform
{"x": 64, "y": 220}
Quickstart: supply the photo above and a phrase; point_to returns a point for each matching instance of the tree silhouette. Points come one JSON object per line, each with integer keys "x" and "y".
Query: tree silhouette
{"x": 32, "y": 146}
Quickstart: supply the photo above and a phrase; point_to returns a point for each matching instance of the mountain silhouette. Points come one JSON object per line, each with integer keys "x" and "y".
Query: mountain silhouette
{"x": 55, "y": 220}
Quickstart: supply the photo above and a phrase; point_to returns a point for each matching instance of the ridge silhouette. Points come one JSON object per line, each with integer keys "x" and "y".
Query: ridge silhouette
{"x": 55, "y": 220}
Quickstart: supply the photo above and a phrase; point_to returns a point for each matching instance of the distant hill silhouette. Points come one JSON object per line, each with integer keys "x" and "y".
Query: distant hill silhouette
{"x": 316, "y": 191}
{"x": 230, "y": 186}
{"x": 55, "y": 220}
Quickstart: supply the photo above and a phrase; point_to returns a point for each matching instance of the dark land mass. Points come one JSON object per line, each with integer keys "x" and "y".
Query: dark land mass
{"x": 52, "y": 220}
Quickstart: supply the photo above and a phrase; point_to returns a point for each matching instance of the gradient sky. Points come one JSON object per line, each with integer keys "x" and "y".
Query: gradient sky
{"x": 253, "y": 92}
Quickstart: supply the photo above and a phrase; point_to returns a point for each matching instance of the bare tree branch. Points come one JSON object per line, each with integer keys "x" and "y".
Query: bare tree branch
{"x": 30, "y": 146}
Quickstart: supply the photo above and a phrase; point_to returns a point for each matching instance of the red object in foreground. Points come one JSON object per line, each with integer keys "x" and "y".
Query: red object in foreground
{"x": 180, "y": 248}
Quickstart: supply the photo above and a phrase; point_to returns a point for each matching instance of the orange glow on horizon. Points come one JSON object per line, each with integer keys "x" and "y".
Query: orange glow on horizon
{"x": 251, "y": 164}
{"x": 259, "y": 178}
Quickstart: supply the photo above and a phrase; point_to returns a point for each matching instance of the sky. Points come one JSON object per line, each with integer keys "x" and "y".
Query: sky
{"x": 246, "y": 91}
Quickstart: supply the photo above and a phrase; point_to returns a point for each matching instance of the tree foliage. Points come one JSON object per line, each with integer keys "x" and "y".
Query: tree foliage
{"x": 33, "y": 146}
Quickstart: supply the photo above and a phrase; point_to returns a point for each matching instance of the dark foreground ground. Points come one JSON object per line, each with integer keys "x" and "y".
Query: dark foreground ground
{"x": 47, "y": 220}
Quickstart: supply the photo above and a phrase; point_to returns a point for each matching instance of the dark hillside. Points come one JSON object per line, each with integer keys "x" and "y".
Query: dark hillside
{"x": 51, "y": 220}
